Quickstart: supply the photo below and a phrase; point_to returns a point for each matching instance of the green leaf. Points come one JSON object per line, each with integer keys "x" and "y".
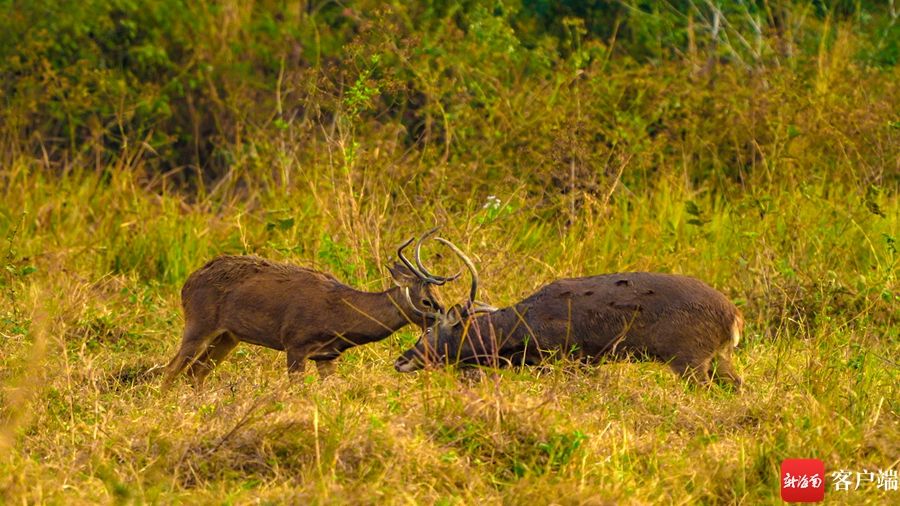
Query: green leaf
{"x": 697, "y": 222}
{"x": 280, "y": 224}
{"x": 286, "y": 223}
{"x": 691, "y": 207}
{"x": 873, "y": 193}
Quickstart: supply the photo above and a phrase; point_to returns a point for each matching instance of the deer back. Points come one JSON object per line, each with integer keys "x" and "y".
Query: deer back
{"x": 634, "y": 311}
{"x": 251, "y": 294}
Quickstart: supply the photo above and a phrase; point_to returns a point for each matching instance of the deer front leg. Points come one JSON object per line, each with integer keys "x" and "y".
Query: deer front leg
{"x": 725, "y": 371}
{"x": 309, "y": 349}
{"x": 695, "y": 371}
{"x": 296, "y": 361}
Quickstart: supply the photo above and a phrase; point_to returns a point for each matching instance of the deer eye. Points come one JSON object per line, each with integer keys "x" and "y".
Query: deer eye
{"x": 428, "y": 303}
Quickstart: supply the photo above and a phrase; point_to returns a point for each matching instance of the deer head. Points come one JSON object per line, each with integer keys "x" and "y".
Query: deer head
{"x": 443, "y": 339}
{"x": 416, "y": 282}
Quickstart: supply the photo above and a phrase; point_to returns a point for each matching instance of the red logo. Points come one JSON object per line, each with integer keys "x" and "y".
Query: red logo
{"x": 802, "y": 480}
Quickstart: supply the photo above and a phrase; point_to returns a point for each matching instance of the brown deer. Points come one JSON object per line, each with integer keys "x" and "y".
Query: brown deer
{"x": 678, "y": 320}
{"x": 308, "y": 314}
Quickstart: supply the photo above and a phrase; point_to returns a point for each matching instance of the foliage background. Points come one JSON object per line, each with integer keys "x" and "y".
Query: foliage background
{"x": 753, "y": 144}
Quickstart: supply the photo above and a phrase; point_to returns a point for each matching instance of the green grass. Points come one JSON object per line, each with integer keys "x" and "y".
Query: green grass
{"x": 93, "y": 275}
{"x": 765, "y": 163}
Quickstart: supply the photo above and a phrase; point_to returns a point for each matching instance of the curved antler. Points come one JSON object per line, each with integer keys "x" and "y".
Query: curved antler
{"x": 438, "y": 280}
{"x": 405, "y": 261}
{"x": 419, "y": 274}
{"x": 469, "y": 264}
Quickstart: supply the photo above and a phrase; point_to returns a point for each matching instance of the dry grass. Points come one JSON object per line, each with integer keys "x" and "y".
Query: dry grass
{"x": 84, "y": 421}
{"x": 774, "y": 179}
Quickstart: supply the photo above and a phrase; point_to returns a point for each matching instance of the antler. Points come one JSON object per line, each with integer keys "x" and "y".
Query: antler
{"x": 473, "y": 306}
{"x": 419, "y": 274}
{"x": 440, "y": 279}
{"x": 403, "y": 258}
{"x": 469, "y": 264}
{"x": 424, "y": 274}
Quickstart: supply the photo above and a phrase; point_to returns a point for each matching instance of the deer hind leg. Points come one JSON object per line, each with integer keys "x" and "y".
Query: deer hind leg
{"x": 194, "y": 341}
{"x": 216, "y": 351}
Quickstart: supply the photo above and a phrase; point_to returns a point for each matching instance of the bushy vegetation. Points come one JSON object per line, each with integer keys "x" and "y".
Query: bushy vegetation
{"x": 753, "y": 144}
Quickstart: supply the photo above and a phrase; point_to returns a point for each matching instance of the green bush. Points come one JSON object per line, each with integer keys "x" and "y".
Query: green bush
{"x": 199, "y": 83}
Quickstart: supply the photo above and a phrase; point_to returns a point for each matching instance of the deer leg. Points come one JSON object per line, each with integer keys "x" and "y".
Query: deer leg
{"x": 692, "y": 370}
{"x": 296, "y": 360}
{"x": 326, "y": 367}
{"x": 193, "y": 342}
{"x": 325, "y": 360}
{"x": 215, "y": 352}
{"x": 724, "y": 370}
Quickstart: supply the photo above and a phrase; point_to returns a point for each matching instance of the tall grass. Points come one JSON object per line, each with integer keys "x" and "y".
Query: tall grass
{"x": 770, "y": 173}
{"x": 93, "y": 302}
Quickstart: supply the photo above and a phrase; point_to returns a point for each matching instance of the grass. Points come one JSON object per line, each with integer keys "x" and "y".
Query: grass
{"x": 93, "y": 274}
{"x": 765, "y": 161}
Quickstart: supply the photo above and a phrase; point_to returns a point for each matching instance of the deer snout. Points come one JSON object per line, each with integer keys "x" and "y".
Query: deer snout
{"x": 409, "y": 362}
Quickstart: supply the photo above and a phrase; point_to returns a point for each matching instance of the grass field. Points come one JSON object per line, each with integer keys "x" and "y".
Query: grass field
{"x": 775, "y": 182}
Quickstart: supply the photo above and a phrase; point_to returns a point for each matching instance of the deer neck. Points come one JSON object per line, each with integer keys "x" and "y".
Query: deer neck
{"x": 378, "y": 314}
{"x": 504, "y": 328}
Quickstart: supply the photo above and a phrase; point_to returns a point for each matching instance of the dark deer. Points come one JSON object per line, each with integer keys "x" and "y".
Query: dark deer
{"x": 308, "y": 314}
{"x": 678, "y": 320}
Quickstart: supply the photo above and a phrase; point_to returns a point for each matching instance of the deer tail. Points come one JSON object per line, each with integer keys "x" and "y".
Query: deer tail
{"x": 737, "y": 326}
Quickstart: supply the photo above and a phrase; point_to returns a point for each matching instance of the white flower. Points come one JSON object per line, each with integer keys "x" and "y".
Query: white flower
{"x": 492, "y": 202}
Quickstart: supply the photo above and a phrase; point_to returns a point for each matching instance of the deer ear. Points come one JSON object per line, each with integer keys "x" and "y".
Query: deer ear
{"x": 454, "y": 315}
{"x": 400, "y": 274}
{"x": 481, "y": 307}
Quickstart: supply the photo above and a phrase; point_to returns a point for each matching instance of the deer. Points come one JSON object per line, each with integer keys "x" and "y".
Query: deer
{"x": 678, "y": 320}
{"x": 307, "y": 313}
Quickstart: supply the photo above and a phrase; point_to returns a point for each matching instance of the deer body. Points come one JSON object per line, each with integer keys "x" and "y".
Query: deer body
{"x": 308, "y": 314}
{"x": 678, "y": 320}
